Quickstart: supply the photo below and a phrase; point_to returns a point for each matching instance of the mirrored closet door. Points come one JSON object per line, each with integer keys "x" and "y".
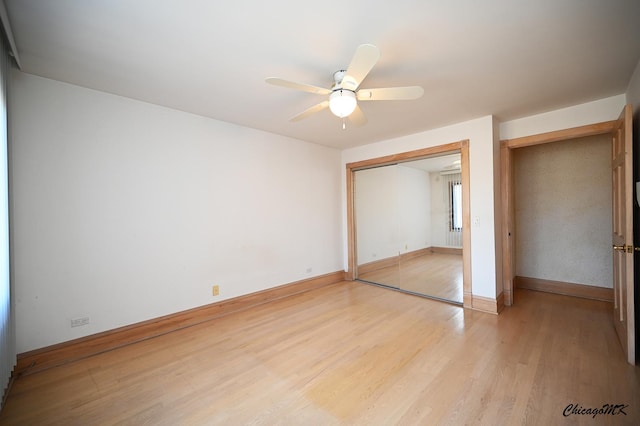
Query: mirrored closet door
{"x": 408, "y": 221}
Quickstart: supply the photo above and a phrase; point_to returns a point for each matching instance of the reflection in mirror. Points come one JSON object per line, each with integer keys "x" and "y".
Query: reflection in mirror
{"x": 408, "y": 220}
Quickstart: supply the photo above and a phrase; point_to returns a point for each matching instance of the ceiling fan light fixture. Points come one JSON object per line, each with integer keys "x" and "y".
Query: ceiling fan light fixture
{"x": 345, "y": 92}
{"x": 342, "y": 102}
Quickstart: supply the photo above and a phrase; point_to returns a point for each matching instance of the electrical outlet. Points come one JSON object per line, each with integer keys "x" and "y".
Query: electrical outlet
{"x": 79, "y": 322}
{"x": 216, "y": 290}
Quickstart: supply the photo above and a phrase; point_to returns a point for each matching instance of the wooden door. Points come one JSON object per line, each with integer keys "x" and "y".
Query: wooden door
{"x": 623, "y": 305}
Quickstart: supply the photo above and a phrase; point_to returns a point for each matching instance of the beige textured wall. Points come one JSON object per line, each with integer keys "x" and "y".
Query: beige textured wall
{"x": 563, "y": 211}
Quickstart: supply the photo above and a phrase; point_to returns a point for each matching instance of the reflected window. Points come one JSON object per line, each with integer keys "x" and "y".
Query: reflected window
{"x": 455, "y": 206}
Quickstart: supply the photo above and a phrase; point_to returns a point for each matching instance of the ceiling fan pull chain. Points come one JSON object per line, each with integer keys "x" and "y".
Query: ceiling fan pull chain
{"x": 344, "y": 125}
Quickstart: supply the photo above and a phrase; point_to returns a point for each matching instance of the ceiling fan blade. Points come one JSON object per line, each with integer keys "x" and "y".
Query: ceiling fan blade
{"x": 309, "y": 111}
{"x": 390, "y": 93}
{"x": 298, "y": 86}
{"x": 357, "y": 117}
{"x": 363, "y": 61}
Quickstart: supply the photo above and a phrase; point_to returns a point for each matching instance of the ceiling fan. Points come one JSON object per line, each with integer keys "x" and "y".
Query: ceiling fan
{"x": 346, "y": 92}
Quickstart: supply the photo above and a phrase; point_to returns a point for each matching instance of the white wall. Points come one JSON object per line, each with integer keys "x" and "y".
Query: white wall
{"x": 480, "y": 133}
{"x": 392, "y": 206}
{"x": 563, "y": 211}
{"x": 633, "y": 93}
{"x": 376, "y": 202}
{"x": 566, "y": 118}
{"x": 125, "y": 211}
{"x": 414, "y": 209}
{"x": 633, "y": 98}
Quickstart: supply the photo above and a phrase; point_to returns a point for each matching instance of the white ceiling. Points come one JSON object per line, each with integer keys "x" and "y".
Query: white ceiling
{"x": 509, "y": 58}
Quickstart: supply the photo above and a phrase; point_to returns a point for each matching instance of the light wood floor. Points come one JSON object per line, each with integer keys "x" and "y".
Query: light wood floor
{"x": 436, "y": 274}
{"x": 351, "y": 353}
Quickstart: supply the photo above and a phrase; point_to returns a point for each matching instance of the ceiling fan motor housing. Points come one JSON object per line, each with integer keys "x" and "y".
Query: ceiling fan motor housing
{"x": 338, "y": 76}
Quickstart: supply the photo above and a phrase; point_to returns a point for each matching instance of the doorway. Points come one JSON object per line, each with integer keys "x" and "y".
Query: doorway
{"x": 563, "y": 220}
{"x": 395, "y": 256}
{"x": 509, "y": 227}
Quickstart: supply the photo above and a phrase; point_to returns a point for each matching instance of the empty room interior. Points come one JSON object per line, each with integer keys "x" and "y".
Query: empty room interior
{"x": 339, "y": 213}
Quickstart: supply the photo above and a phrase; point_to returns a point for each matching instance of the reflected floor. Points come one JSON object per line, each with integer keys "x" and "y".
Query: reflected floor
{"x": 436, "y": 274}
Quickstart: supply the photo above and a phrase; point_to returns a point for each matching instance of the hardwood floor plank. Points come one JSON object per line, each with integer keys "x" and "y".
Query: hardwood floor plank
{"x": 351, "y": 353}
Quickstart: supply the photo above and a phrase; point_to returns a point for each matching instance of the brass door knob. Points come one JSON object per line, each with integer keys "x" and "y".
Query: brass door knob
{"x": 625, "y": 248}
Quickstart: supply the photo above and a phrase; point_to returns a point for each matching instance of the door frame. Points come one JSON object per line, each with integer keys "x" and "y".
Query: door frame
{"x": 463, "y": 148}
{"x": 507, "y": 190}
